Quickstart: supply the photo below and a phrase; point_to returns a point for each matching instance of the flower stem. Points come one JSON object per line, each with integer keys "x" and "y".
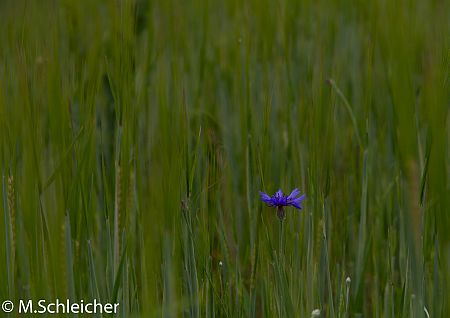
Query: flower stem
{"x": 281, "y": 238}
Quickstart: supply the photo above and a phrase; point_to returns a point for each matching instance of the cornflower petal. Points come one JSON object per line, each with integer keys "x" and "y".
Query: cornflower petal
{"x": 296, "y": 205}
{"x": 293, "y": 194}
{"x": 297, "y": 202}
{"x": 266, "y": 198}
{"x": 279, "y": 194}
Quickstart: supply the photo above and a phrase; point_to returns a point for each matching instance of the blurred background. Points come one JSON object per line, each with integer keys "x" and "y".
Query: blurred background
{"x": 135, "y": 136}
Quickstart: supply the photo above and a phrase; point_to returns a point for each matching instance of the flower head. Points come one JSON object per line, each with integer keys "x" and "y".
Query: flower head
{"x": 279, "y": 201}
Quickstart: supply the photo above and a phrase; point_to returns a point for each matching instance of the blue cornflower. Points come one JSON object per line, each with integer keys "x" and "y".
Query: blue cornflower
{"x": 280, "y": 201}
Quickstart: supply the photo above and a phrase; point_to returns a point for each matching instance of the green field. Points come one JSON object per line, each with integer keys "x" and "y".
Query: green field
{"x": 136, "y": 135}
